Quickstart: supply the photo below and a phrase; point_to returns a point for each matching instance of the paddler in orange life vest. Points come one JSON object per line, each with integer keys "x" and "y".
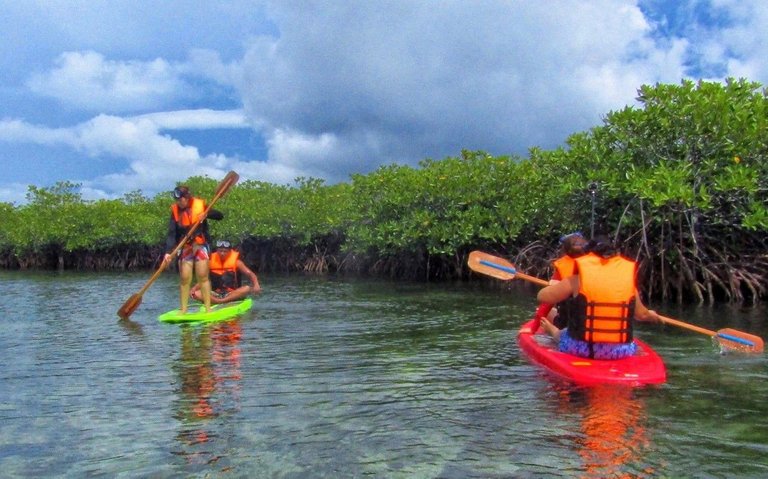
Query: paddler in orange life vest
{"x": 605, "y": 303}
{"x": 226, "y": 272}
{"x": 185, "y": 212}
{"x": 572, "y": 246}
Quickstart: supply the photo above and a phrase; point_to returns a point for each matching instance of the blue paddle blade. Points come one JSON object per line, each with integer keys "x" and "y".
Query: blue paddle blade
{"x": 490, "y": 265}
{"x": 498, "y": 266}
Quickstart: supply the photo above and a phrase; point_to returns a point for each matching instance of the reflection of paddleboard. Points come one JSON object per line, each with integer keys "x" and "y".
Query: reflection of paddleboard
{"x": 645, "y": 367}
{"x": 218, "y": 312}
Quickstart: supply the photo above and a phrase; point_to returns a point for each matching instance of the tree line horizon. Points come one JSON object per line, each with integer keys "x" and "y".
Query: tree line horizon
{"x": 680, "y": 182}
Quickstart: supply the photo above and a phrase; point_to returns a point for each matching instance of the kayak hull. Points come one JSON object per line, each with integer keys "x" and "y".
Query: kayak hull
{"x": 645, "y": 367}
{"x": 218, "y": 312}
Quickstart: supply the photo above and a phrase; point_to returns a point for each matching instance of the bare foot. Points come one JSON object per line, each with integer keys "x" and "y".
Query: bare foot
{"x": 550, "y": 328}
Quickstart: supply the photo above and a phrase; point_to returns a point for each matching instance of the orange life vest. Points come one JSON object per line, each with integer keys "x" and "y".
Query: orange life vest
{"x": 188, "y": 217}
{"x": 603, "y": 310}
{"x": 565, "y": 266}
{"x": 224, "y": 270}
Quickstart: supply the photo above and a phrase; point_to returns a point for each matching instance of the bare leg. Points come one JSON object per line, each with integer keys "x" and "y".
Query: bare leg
{"x": 201, "y": 271}
{"x": 236, "y": 294}
{"x": 185, "y": 283}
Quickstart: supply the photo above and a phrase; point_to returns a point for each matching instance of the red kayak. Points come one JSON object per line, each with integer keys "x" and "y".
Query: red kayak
{"x": 645, "y": 367}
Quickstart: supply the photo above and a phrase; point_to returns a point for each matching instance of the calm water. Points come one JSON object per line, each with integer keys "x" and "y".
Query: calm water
{"x": 351, "y": 378}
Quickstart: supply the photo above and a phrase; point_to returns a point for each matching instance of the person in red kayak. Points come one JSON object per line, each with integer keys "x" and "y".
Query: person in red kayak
{"x": 605, "y": 302}
{"x": 186, "y": 211}
{"x": 572, "y": 246}
{"x": 227, "y": 271}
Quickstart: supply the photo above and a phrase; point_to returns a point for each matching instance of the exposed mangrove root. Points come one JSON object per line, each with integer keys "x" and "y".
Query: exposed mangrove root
{"x": 710, "y": 270}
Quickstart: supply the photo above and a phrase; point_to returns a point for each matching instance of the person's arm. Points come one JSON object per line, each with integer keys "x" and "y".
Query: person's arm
{"x": 543, "y": 310}
{"x": 642, "y": 313}
{"x": 170, "y": 241}
{"x": 170, "y": 238}
{"x": 560, "y": 291}
{"x": 255, "y": 286}
{"x": 215, "y": 215}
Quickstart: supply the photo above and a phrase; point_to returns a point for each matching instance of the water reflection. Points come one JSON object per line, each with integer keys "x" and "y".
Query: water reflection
{"x": 209, "y": 387}
{"x": 613, "y": 440}
{"x": 131, "y": 327}
{"x": 349, "y": 379}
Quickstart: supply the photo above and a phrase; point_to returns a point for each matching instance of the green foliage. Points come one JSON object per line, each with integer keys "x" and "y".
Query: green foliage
{"x": 685, "y": 166}
{"x": 439, "y": 208}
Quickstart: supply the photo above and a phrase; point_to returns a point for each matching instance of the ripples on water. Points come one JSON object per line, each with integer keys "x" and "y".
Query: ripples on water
{"x": 331, "y": 378}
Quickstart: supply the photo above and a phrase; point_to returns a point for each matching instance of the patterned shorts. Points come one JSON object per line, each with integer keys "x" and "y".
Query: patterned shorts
{"x": 580, "y": 348}
{"x": 194, "y": 252}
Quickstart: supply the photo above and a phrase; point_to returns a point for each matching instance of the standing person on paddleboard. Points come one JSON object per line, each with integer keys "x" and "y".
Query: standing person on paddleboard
{"x": 187, "y": 211}
{"x": 572, "y": 246}
{"x": 225, "y": 264}
{"x": 605, "y": 302}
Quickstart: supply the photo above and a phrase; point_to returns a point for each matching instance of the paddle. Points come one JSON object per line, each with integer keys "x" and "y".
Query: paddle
{"x": 727, "y": 337}
{"x": 498, "y": 268}
{"x": 502, "y": 269}
{"x": 134, "y": 301}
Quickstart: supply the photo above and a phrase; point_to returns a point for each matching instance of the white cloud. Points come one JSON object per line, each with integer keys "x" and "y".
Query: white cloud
{"x": 195, "y": 119}
{"x": 335, "y": 88}
{"x": 155, "y": 159}
{"x": 738, "y": 46}
{"x": 416, "y": 81}
{"x": 18, "y": 131}
{"x": 15, "y": 193}
{"x": 208, "y": 64}
{"x": 87, "y": 80}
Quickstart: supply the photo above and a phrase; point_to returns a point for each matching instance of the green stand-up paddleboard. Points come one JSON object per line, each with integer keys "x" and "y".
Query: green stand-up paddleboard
{"x": 217, "y": 312}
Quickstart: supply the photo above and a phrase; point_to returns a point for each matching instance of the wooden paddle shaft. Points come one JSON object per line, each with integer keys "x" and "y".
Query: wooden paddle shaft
{"x": 685, "y": 325}
{"x": 533, "y": 279}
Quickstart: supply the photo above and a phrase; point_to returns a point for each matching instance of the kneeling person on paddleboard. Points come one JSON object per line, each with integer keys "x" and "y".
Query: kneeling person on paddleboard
{"x": 225, "y": 266}
{"x": 186, "y": 212}
{"x": 604, "y": 302}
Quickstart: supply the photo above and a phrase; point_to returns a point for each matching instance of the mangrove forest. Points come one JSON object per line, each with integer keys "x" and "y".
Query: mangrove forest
{"x": 680, "y": 180}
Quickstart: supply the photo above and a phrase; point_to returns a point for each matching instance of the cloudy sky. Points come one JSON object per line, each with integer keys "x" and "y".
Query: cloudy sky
{"x": 137, "y": 95}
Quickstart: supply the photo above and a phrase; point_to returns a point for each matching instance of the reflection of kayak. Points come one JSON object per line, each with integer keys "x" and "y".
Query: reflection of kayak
{"x": 645, "y": 367}
{"x": 218, "y": 312}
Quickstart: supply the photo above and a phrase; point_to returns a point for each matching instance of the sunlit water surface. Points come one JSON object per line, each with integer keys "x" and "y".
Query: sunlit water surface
{"x": 351, "y": 378}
